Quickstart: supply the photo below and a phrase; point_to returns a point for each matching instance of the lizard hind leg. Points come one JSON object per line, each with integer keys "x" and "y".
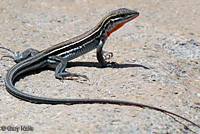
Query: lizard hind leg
{"x": 10, "y": 50}
{"x": 20, "y": 57}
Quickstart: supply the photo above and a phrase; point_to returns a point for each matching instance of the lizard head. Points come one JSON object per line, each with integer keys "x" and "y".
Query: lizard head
{"x": 117, "y": 18}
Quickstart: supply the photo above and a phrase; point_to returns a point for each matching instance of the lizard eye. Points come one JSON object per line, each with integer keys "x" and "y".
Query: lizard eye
{"x": 122, "y": 15}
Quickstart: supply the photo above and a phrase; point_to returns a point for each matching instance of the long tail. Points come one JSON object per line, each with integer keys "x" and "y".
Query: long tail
{"x": 17, "y": 70}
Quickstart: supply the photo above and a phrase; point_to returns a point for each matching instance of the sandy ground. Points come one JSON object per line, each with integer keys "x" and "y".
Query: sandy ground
{"x": 165, "y": 38}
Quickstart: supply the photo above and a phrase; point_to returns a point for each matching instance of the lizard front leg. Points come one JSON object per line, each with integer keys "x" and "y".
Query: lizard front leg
{"x": 102, "y": 55}
{"x": 60, "y": 72}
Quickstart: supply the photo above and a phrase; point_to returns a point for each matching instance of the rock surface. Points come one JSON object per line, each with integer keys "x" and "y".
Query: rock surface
{"x": 165, "y": 38}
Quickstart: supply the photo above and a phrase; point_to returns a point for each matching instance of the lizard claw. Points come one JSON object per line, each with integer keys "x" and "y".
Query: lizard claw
{"x": 12, "y": 51}
{"x": 67, "y": 75}
{"x": 112, "y": 64}
{"x": 107, "y": 55}
{"x": 9, "y": 56}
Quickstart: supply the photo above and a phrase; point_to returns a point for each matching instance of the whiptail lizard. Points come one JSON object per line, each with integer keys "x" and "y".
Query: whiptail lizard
{"x": 58, "y": 56}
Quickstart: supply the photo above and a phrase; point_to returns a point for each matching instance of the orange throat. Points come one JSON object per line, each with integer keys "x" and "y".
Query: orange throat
{"x": 118, "y": 26}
